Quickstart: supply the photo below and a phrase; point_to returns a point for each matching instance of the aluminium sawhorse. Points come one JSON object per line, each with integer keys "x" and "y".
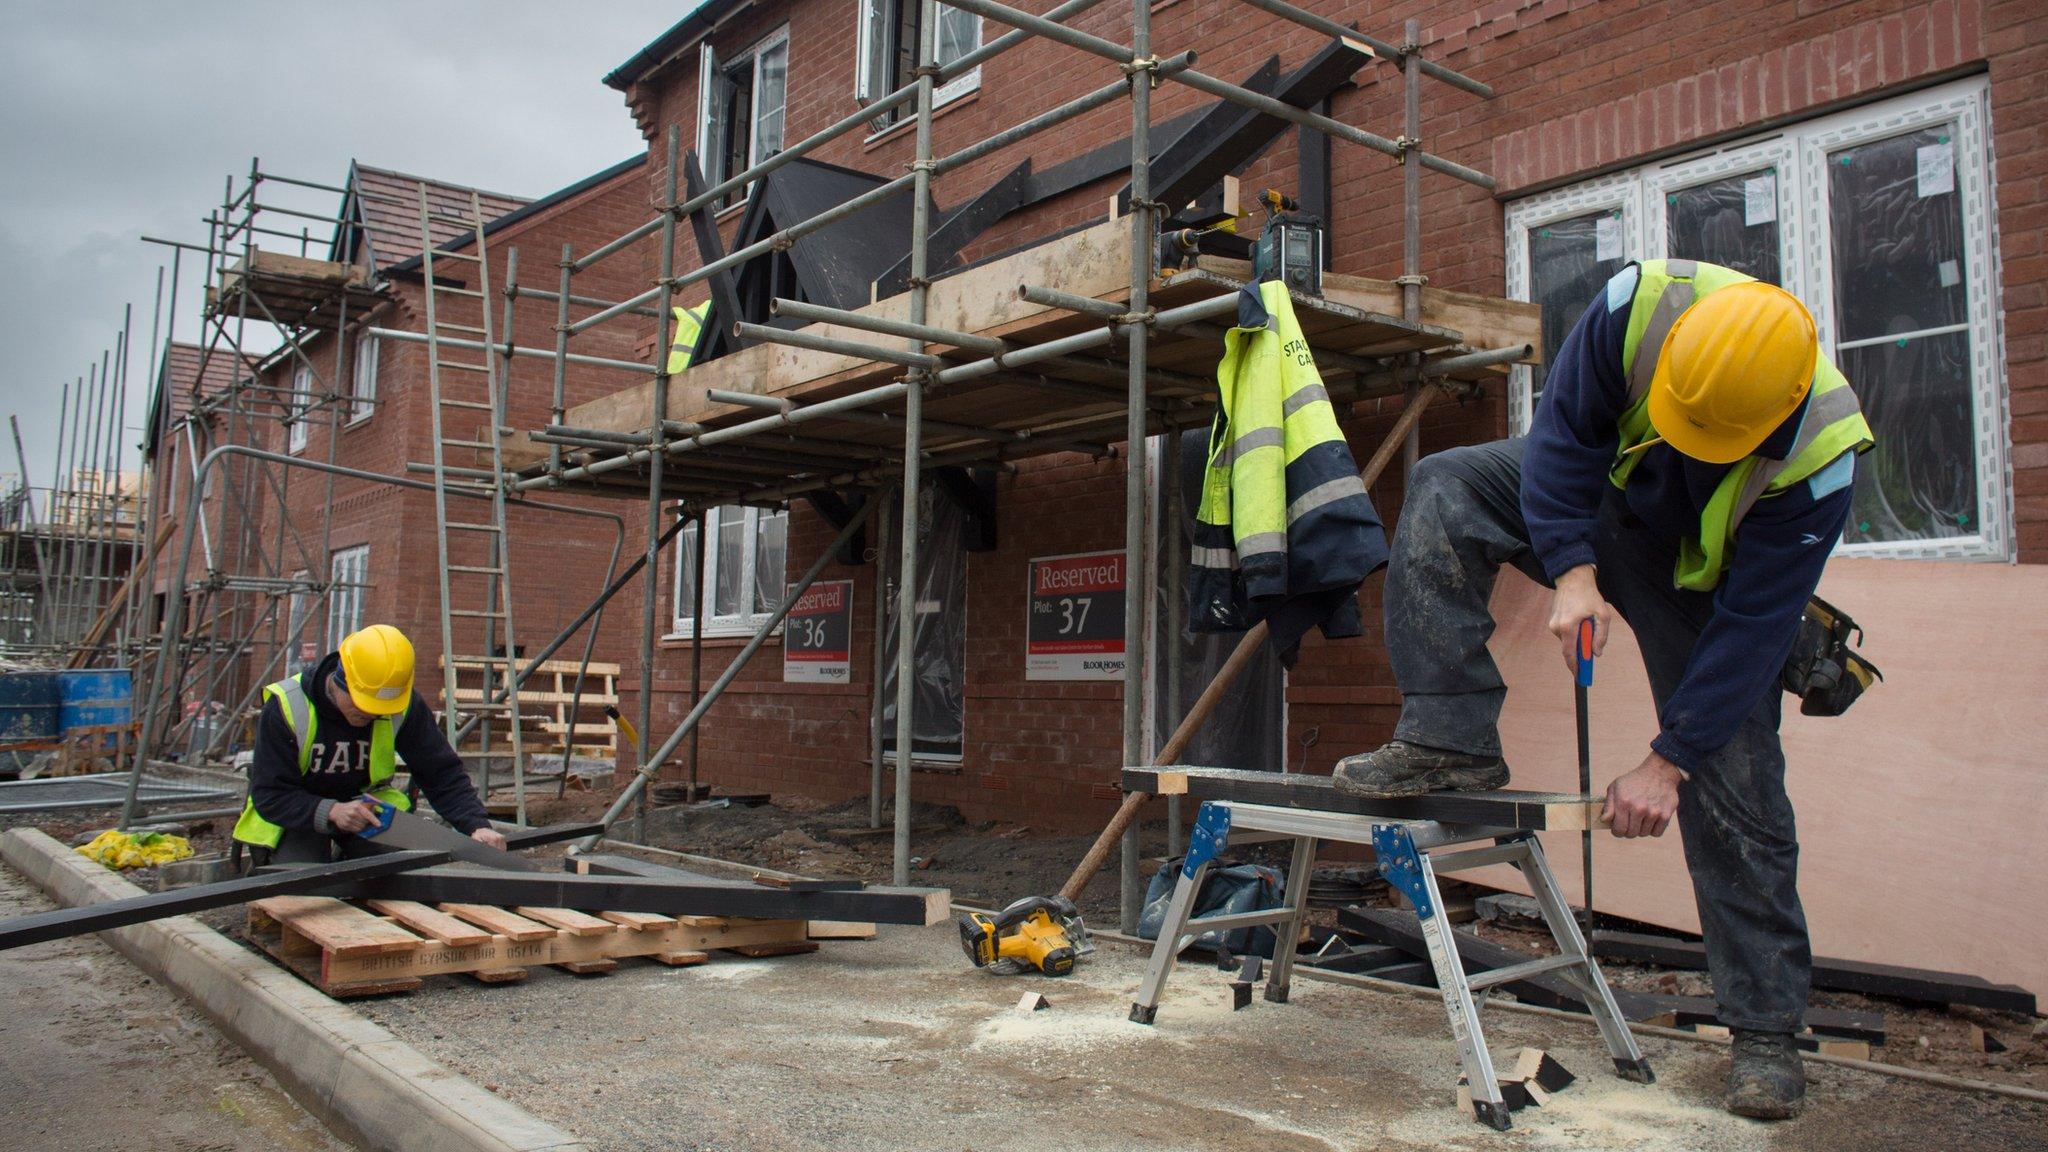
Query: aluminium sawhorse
{"x": 1408, "y": 859}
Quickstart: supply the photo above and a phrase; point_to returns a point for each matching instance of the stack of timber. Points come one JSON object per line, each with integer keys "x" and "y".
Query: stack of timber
{"x": 545, "y": 700}
{"x": 376, "y": 947}
{"x": 1355, "y": 329}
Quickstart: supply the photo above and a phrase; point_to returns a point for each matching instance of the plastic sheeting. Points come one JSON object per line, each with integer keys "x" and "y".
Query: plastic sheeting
{"x": 1245, "y": 730}
{"x": 1899, "y": 271}
{"x": 1566, "y": 273}
{"x": 1732, "y": 222}
{"x": 939, "y": 694}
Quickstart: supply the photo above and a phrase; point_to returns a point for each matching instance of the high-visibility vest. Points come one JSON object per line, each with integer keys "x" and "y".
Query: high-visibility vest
{"x": 297, "y": 708}
{"x": 1282, "y": 506}
{"x": 689, "y": 322}
{"x": 1833, "y": 423}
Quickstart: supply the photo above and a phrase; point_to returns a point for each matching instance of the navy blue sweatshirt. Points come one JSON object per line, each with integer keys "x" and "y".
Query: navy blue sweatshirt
{"x": 340, "y": 768}
{"x": 1780, "y": 547}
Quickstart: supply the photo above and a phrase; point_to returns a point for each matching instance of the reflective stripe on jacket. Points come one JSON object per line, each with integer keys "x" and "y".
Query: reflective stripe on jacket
{"x": 299, "y": 716}
{"x": 1833, "y": 423}
{"x": 1282, "y": 511}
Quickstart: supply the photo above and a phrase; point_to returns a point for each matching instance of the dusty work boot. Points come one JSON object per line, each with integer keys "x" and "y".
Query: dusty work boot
{"x": 1399, "y": 768}
{"x": 1766, "y": 1081}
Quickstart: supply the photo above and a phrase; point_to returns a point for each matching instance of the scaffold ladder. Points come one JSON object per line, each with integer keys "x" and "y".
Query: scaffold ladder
{"x": 467, "y": 390}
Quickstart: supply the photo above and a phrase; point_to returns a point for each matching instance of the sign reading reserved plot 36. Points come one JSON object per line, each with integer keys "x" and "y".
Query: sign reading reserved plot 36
{"x": 1074, "y": 619}
{"x": 817, "y": 637}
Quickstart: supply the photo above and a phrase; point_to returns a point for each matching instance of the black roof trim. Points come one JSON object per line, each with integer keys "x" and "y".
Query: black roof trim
{"x": 701, "y": 20}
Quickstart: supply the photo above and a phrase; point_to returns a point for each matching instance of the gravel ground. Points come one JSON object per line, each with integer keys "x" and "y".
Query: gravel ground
{"x": 95, "y": 1055}
{"x": 896, "y": 1044}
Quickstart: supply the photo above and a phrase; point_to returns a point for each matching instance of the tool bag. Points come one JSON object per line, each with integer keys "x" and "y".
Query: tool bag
{"x": 1823, "y": 671}
{"x": 1240, "y": 888}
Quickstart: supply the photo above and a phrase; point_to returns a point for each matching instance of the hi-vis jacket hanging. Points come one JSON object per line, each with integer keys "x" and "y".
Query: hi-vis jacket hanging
{"x": 689, "y": 322}
{"x": 290, "y": 694}
{"x": 1283, "y": 517}
{"x": 1833, "y": 423}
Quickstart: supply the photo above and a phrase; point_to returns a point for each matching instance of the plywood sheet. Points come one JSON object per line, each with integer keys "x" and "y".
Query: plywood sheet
{"x": 1923, "y": 834}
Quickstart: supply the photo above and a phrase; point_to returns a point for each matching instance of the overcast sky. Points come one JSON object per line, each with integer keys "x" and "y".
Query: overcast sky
{"x": 119, "y": 119}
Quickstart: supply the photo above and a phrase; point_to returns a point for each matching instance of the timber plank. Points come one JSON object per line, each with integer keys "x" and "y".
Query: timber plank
{"x": 637, "y": 921}
{"x": 1916, "y": 984}
{"x": 569, "y": 920}
{"x": 335, "y": 927}
{"x": 430, "y": 922}
{"x": 341, "y": 877}
{"x": 1505, "y": 809}
{"x": 510, "y": 925}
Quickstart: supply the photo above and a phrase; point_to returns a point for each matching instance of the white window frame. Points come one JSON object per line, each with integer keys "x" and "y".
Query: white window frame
{"x": 1800, "y": 153}
{"x": 682, "y": 625}
{"x": 348, "y": 569}
{"x": 1605, "y": 194}
{"x": 864, "y": 87}
{"x": 363, "y": 379}
{"x": 709, "y": 69}
{"x": 298, "y": 431}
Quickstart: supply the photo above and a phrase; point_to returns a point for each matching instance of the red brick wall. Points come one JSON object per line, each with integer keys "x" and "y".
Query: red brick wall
{"x": 1582, "y": 86}
{"x": 558, "y": 562}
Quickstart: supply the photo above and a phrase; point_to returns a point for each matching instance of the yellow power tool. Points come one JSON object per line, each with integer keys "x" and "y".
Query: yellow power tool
{"x": 1035, "y": 932}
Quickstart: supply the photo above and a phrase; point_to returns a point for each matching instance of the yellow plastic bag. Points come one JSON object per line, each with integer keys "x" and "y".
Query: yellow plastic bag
{"x": 118, "y": 849}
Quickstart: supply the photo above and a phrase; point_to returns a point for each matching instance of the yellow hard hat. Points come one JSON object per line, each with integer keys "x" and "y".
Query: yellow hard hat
{"x": 377, "y": 662}
{"x": 1736, "y": 364}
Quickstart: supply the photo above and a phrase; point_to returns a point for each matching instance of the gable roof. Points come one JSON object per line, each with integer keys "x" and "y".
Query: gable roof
{"x": 188, "y": 373}
{"x": 382, "y": 208}
{"x": 526, "y": 212}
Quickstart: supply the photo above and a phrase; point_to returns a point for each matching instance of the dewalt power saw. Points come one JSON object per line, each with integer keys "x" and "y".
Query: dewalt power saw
{"x": 1042, "y": 932}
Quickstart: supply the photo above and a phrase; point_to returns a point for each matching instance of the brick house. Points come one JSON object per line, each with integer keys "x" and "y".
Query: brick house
{"x": 381, "y": 544}
{"x": 1883, "y": 160}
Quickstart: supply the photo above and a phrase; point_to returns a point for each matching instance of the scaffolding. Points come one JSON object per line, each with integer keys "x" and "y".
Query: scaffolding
{"x": 864, "y": 402}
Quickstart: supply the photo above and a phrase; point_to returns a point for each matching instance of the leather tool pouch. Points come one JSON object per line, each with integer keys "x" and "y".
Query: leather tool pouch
{"x": 1823, "y": 671}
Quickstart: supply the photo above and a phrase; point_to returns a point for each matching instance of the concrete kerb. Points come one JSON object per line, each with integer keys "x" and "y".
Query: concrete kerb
{"x": 367, "y": 1085}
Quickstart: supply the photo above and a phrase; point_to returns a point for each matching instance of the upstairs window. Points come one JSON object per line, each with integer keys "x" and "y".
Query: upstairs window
{"x": 349, "y": 571}
{"x": 741, "y": 106}
{"x": 300, "y": 405}
{"x": 363, "y": 383}
{"x": 888, "y": 53}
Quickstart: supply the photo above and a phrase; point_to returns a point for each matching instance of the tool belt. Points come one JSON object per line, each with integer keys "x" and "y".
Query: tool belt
{"x": 1823, "y": 671}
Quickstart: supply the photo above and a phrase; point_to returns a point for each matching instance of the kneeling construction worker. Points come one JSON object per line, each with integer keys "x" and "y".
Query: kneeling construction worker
{"x": 332, "y": 735}
{"x": 1689, "y": 466}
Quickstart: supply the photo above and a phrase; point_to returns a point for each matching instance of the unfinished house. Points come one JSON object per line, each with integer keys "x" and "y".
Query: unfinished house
{"x": 1846, "y": 153}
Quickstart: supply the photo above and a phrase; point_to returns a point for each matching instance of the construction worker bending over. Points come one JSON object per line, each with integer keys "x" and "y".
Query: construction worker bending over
{"x": 1689, "y": 466}
{"x": 332, "y": 735}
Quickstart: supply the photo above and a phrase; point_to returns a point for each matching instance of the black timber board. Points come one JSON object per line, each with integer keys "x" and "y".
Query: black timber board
{"x": 1551, "y": 990}
{"x": 551, "y": 834}
{"x": 1506, "y": 809}
{"x": 309, "y": 880}
{"x": 664, "y": 896}
{"x": 1917, "y": 984}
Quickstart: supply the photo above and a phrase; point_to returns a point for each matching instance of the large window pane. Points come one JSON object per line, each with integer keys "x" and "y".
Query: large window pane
{"x": 728, "y": 585}
{"x": 689, "y": 569}
{"x": 959, "y": 33}
{"x": 1569, "y": 262}
{"x": 1732, "y": 222}
{"x": 771, "y": 82}
{"x": 1897, "y": 234}
{"x": 1920, "y": 482}
{"x": 771, "y": 534}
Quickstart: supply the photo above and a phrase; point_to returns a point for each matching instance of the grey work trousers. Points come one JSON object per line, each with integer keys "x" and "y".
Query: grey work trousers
{"x": 1461, "y": 521}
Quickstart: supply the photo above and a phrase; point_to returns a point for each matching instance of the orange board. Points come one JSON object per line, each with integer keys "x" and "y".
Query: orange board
{"x": 1922, "y": 820}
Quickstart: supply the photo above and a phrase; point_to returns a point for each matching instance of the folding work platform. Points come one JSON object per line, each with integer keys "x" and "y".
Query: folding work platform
{"x": 1410, "y": 856}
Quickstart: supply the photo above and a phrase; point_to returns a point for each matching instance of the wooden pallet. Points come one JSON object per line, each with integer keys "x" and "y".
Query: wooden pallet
{"x": 391, "y": 945}
{"x": 544, "y": 702}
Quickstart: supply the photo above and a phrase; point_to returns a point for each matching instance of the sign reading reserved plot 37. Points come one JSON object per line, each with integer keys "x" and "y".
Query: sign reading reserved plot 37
{"x": 1074, "y": 619}
{"x": 817, "y": 637}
